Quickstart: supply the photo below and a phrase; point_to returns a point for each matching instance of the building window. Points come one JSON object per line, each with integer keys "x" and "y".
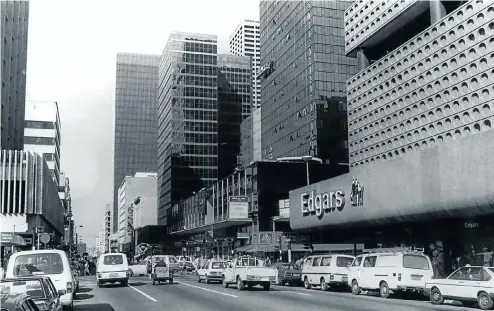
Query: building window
{"x": 39, "y": 125}
{"x": 39, "y": 140}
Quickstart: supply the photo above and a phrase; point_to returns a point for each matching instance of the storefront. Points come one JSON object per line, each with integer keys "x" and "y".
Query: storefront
{"x": 440, "y": 198}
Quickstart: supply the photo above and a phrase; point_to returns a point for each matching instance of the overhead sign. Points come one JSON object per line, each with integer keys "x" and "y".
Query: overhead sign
{"x": 238, "y": 207}
{"x": 314, "y": 203}
{"x": 243, "y": 235}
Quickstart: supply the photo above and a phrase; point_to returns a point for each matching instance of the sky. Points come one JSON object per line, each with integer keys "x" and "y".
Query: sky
{"x": 72, "y": 47}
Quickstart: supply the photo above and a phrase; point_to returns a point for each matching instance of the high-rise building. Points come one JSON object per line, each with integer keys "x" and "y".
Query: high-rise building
{"x": 14, "y": 16}
{"x": 42, "y": 134}
{"x": 245, "y": 41}
{"x": 135, "y": 118}
{"x": 107, "y": 227}
{"x": 234, "y": 106}
{"x": 187, "y": 118}
{"x": 304, "y": 72}
{"x": 250, "y": 139}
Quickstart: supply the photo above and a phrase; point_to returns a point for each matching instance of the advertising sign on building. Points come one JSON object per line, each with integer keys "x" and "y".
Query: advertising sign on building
{"x": 284, "y": 212}
{"x": 265, "y": 237}
{"x": 238, "y": 207}
{"x": 243, "y": 235}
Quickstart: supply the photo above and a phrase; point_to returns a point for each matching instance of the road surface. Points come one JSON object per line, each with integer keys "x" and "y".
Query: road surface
{"x": 189, "y": 295}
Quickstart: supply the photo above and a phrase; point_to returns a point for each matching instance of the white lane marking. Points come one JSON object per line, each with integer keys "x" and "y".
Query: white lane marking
{"x": 208, "y": 290}
{"x": 143, "y": 293}
{"x": 292, "y": 292}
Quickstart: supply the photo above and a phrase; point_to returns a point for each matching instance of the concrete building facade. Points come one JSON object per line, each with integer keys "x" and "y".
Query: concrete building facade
{"x": 42, "y": 134}
{"x": 130, "y": 192}
{"x": 136, "y": 125}
{"x": 14, "y": 16}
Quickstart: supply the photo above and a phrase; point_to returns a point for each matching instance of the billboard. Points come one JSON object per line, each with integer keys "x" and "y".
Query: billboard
{"x": 238, "y": 207}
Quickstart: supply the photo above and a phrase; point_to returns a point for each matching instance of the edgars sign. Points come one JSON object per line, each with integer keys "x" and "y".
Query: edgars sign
{"x": 320, "y": 203}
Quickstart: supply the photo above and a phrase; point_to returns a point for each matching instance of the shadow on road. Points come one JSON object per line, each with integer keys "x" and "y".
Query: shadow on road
{"x": 137, "y": 284}
{"x": 94, "y": 307}
{"x": 84, "y": 289}
{"x": 80, "y": 297}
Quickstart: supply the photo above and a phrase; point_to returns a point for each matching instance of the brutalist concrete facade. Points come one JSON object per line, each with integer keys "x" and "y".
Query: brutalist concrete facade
{"x": 14, "y": 31}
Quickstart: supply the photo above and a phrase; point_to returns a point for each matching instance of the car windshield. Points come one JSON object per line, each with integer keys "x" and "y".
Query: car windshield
{"x": 415, "y": 262}
{"x": 38, "y": 264}
{"x": 33, "y": 288}
{"x": 218, "y": 265}
{"x": 113, "y": 260}
{"x": 344, "y": 261}
{"x": 173, "y": 260}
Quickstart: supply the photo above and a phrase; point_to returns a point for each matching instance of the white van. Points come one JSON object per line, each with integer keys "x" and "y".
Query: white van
{"x": 398, "y": 269}
{"x": 51, "y": 263}
{"x": 326, "y": 270}
{"x": 111, "y": 268}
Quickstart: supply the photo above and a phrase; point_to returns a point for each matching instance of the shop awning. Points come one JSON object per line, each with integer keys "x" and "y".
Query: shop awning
{"x": 244, "y": 248}
{"x": 214, "y": 226}
{"x": 262, "y": 248}
{"x": 11, "y": 239}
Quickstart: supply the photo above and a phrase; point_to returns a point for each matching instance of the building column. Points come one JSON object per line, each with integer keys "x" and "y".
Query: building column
{"x": 437, "y": 9}
{"x": 362, "y": 60}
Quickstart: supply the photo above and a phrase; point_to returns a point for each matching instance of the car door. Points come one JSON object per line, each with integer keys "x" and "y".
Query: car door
{"x": 367, "y": 273}
{"x": 454, "y": 284}
{"x": 476, "y": 280}
{"x": 354, "y": 270}
{"x": 313, "y": 276}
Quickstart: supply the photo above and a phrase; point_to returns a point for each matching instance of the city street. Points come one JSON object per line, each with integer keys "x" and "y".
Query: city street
{"x": 187, "y": 294}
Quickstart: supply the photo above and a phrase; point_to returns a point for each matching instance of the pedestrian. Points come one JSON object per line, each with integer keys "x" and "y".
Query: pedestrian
{"x": 86, "y": 269}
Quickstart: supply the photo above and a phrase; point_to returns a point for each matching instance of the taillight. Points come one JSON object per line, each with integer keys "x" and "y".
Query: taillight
{"x": 99, "y": 275}
{"x": 399, "y": 276}
{"x": 331, "y": 277}
{"x": 128, "y": 273}
{"x": 69, "y": 287}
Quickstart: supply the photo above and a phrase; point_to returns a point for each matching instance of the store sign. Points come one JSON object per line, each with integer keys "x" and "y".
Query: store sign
{"x": 471, "y": 225}
{"x": 243, "y": 235}
{"x": 238, "y": 207}
{"x": 284, "y": 212}
{"x": 319, "y": 203}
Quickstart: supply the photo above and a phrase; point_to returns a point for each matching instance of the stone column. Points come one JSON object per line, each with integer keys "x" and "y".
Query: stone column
{"x": 437, "y": 9}
{"x": 362, "y": 60}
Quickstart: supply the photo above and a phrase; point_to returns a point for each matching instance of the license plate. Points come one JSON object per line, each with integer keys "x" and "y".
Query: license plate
{"x": 416, "y": 278}
{"x": 344, "y": 279}
{"x": 295, "y": 274}
{"x": 114, "y": 275}
{"x": 258, "y": 278}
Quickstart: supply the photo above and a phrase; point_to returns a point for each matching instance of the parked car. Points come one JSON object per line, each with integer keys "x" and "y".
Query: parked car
{"x": 212, "y": 270}
{"x": 111, "y": 268}
{"x": 326, "y": 271}
{"x": 139, "y": 268}
{"x": 249, "y": 271}
{"x": 41, "y": 290}
{"x": 17, "y": 302}
{"x": 51, "y": 263}
{"x": 398, "y": 269}
{"x": 471, "y": 285}
{"x": 288, "y": 274}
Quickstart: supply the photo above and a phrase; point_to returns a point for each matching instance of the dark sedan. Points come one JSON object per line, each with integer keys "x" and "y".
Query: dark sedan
{"x": 17, "y": 302}
{"x": 288, "y": 274}
{"x": 39, "y": 288}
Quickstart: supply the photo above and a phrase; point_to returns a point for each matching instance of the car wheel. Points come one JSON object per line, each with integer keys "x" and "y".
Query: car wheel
{"x": 99, "y": 284}
{"x": 207, "y": 280}
{"x": 223, "y": 280}
{"x": 279, "y": 282}
{"x": 131, "y": 273}
{"x": 171, "y": 280}
{"x": 436, "y": 296}
{"x": 240, "y": 284}
{"x": 384, "y": 290}
{"x": 198, "y": 278}
{"x": 306, "y": 283}
{"x": 266, "y": 286}
{"x": 324, "y": 285}
{"x": 355, "y": 288}
{"x": 485, "y": 301}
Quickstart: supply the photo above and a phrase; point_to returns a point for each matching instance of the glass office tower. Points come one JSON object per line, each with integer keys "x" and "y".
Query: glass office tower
{"x": 187, "y": 119}
{"x": 304, "y": 72}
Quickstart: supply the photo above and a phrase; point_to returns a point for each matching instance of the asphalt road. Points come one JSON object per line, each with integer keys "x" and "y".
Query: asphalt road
{"x": 189, "y": 295}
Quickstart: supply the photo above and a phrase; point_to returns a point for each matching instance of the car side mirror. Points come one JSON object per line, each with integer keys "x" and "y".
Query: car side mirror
{"x": 61, "y": 292}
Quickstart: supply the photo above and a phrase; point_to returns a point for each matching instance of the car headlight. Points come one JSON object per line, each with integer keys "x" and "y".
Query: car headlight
{"x": 250, "y": 277}
{"x": 272, "y": 278}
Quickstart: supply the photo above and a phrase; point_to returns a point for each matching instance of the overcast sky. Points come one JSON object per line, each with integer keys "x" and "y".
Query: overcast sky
{"x": 71, "y": 59}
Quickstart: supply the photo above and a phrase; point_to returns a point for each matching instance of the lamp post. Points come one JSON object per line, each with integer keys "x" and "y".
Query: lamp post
{"x": 76, "y": 238}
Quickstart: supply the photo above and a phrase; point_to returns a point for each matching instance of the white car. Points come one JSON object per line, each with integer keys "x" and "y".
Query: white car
{"x": 470, "y": 285}
{"x": 139, "y": 268}
{"x": 212, "y": 270}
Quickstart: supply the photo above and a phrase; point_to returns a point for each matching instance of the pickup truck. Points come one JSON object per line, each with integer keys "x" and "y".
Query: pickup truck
{"x": 248, "y": 271}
